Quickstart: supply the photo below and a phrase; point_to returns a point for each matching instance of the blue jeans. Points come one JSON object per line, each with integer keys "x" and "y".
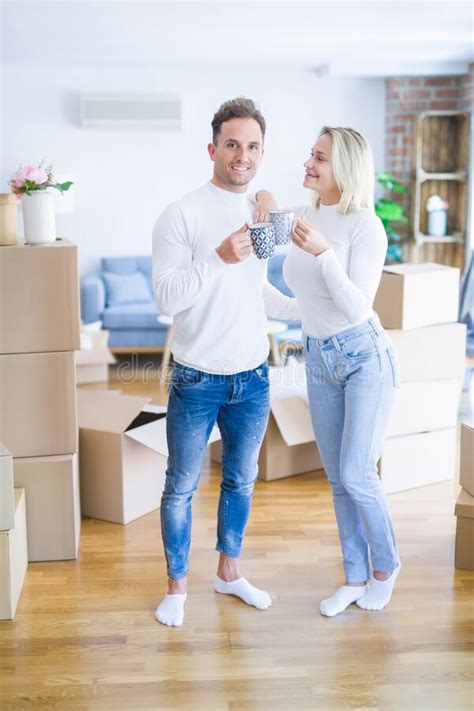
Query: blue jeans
{"x": 352, "y": 380}
{"x": 240, "y": 405}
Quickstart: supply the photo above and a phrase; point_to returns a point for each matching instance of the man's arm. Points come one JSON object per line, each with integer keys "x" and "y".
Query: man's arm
{"x": 177, "y": 282}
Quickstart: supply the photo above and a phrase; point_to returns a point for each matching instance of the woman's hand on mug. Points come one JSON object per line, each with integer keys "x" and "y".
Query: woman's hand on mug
{"x": 308, "y": 238}
{"x": 265, "y": 202}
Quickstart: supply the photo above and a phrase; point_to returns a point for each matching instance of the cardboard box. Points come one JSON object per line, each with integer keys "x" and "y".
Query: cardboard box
{"x": 39, "y": 298}
{"x": 466, "y": 460}
{"x": 13, "y": 560}
{"x": 123, "y": 455}
{"x": 289, "y": 446}
{"x": 92, "y": 366}
{"x": 7, "y": 498}
{"x": 464, "y": 556}
{"x": 425, "y": 405}
{"x": 53, "y": 510}
{"x": 418, "y": 459}
{"x": 430, "y": 353}
{"x": 38, "y": 412}
{"x": 414, "y": 295}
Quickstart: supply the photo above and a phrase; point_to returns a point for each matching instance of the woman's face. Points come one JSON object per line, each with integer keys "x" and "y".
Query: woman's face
{"x": 319, "y": 175}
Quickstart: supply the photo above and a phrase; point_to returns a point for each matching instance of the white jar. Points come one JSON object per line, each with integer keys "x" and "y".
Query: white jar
{"x": 438, "y": 223}
{"x": 38, "y": 217}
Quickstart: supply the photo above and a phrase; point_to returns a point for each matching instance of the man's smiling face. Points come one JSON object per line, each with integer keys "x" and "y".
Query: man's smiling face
{"x": 237, "y": 154}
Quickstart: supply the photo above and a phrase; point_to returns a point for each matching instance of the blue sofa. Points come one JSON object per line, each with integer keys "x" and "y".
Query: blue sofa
{"x": 121, "y": 296}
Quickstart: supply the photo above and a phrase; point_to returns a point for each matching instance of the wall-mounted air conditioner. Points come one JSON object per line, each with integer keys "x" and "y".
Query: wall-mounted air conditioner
{"x": 130, "y": 111}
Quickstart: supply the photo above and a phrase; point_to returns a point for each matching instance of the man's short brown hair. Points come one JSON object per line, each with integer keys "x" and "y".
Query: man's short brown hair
{"x": 236, "y": 108}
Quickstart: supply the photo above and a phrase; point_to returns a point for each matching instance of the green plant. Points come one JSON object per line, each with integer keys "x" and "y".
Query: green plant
{"x": 390, "y": 211}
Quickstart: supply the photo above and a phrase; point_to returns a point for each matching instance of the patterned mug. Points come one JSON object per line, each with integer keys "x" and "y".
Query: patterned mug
{"x": 262, "y": 235}
{"x": 282, "y": 221}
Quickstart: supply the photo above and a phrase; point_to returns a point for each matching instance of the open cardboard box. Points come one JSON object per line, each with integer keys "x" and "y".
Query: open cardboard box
{"x": 123, "y": 455}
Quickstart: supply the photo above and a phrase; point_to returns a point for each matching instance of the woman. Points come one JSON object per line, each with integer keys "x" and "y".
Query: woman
{"x": 334, "y": 269}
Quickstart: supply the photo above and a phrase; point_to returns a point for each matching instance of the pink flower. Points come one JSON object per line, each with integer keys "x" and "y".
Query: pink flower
{"x": 38, "y": 176}
{"x": 29, "y": 172}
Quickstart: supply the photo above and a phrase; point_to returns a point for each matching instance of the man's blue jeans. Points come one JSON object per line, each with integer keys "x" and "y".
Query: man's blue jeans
{"x": 240, "y": 405}
{"x": 352, "y": 380}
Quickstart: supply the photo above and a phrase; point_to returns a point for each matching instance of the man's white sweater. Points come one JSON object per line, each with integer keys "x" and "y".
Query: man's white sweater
{"x": 219, "y": 310}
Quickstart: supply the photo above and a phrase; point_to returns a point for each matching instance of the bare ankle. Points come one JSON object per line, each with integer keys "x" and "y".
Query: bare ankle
{"x": 228, "y": 569}
{"x": 177, "y": 587}
{"x": 380, "y": 575}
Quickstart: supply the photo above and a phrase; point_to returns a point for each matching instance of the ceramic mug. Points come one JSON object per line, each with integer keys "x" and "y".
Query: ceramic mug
{"x": 262, "y": 235}
{"x": 282, "y": 221}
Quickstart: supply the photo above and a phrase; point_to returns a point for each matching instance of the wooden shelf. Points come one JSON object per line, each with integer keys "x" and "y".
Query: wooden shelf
{"x": 457, "y": 238}
{"x": 441, "y": 167}
{"x": 460, "y": 175}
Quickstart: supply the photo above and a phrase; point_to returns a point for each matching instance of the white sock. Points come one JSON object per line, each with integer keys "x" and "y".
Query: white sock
{"x": 170, "y": 611}
{"x": 242, "y": 588}
{"x": 341, "y": 599}
{"x": 379, "y": 593}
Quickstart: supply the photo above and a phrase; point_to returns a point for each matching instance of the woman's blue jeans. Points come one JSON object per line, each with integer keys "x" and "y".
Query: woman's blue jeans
{"x": 352, "y": 380}
{"x": 240, "y": 405}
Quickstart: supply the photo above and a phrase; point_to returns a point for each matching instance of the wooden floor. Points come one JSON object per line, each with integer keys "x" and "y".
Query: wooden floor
{"x": 85, "y": 636}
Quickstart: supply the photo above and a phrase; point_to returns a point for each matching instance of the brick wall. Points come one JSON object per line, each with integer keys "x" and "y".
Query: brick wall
{"x": 406, "y": 97}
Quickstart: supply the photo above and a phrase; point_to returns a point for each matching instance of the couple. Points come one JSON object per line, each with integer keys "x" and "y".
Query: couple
{"x": 206, "y": 276}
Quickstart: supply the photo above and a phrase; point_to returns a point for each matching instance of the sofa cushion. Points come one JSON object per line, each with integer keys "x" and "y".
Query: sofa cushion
{"x": 130, "y": 338}
{"x": 134, "y": 316}
{"x": 126, "y": 288}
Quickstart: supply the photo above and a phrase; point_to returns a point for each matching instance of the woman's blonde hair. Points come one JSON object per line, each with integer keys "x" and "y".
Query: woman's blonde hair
{"x": 353, "y": 168}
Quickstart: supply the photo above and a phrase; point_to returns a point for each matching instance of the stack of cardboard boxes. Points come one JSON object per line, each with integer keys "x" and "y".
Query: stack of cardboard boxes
{"x": 465, "y": 504}
{"x": 13, "y": 545}
{"x": 39, "y": 332}
{"x": 418, "y": 305}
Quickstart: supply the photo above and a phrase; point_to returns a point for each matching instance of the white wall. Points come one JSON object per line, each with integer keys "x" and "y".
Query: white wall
{"x": 124, "y": 178}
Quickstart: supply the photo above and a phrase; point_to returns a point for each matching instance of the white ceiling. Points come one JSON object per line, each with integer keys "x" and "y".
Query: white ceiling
{"x": 335, "y": 38}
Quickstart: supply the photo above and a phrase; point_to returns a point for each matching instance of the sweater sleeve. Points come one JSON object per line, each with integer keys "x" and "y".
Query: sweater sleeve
{"x": 278, "y": 305}
{"x": 355, "y": 291}
{"x": 177, "y": 281}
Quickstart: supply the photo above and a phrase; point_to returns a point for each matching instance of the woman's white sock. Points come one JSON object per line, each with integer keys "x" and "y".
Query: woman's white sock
{"x": 170, "y": 611}
{"x": 341, "y": 599}
{"x": 242, "y": 588}
{"x": 379, "y": 593}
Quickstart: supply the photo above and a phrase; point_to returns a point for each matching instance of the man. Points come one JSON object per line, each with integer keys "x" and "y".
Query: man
{"x": 206, "y": 276}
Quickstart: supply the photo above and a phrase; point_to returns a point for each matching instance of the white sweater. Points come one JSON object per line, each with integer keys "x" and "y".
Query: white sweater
{"x": 218, "y": 309}
{"x": 336, "y": 290}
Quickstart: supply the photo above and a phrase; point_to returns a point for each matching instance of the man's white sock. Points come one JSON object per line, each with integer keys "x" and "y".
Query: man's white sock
{"x": 341, "y": 599}
{"x": 379, "y": 593}
{"x": 170, "y": 611}
{"x": 242, "y": 588}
